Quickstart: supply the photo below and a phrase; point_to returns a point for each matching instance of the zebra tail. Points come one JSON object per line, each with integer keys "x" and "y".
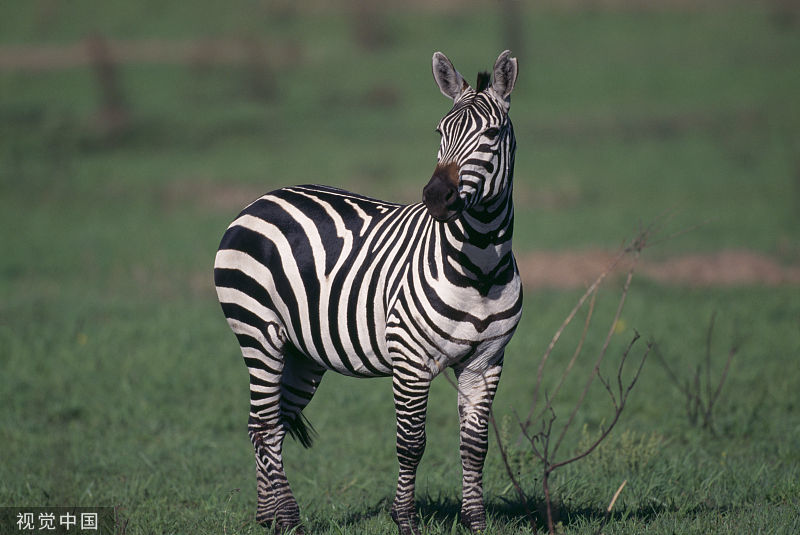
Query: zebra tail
{"x": 301, "y": 430}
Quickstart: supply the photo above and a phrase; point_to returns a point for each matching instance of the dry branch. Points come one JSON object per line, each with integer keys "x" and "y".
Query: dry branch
{"x": 543, "y": 443}
{"x": 610, "y": 507}
{"x": 701, "y": 398}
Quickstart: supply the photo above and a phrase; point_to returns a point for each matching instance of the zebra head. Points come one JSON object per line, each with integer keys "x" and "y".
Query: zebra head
{"x": 476, "y": 154}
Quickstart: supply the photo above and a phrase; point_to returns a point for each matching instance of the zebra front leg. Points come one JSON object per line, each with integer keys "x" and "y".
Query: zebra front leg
{"x": 410, "y": 403}
{"x": 475, "y": 394}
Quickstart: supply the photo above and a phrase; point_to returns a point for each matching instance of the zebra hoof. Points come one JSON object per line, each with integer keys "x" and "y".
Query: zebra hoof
{"x": 474, "y": 522}
{"x": 407, "y": 522}
{"x": 278, "y": 528}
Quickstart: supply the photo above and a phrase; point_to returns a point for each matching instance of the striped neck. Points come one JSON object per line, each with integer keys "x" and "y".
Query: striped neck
{"x": 479, "y": 241}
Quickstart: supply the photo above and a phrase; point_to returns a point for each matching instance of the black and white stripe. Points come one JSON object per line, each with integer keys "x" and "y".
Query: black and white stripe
{"x": 313, "y": 278}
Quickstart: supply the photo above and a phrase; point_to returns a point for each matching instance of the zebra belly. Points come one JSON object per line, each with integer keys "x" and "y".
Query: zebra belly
{"x": 346, "y": 336}
{"x": 336, "y": 323}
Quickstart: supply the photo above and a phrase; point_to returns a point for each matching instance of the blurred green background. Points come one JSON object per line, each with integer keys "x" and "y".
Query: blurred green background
{"x": 131, "y": 133}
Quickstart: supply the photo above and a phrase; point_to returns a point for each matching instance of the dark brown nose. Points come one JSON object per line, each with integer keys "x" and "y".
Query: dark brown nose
{"x": 441, "y": 196}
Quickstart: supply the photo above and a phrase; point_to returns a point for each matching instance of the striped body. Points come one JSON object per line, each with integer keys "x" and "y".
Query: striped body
{"x": 313, "y": 279}
{"x": 290, "y": 258}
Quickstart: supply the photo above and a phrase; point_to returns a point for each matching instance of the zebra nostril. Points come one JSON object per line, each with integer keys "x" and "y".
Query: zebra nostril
{"x": 451, "y": 196}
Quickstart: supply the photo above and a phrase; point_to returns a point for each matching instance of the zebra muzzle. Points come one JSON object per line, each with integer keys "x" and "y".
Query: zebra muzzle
{"x": 440, "y": 195}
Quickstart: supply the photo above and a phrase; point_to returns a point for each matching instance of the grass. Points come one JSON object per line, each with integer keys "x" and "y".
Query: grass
{"x": 122, "y": 385}
{"x": 146, "y": 409}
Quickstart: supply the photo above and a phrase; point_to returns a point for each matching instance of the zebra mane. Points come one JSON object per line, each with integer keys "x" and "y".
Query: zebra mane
{"x": 483, "y": 81}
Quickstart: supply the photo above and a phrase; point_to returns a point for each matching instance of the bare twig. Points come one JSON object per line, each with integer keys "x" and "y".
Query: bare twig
{"x": 616, "y": 495}
{"x": 610, "y": 507}
{"x": 592, "y": 290}
{"x": 618, "y": 408}
{"x": 517, "y": 487}
{"x": 672, "y": 376}
{"x": 540, "y": 442}
{"x": 577, "y": 352}
{"x": 601, "y": 355}
{"x": 544, "y": 445}
{"x": 540, "y": 372}
{"x": 120, "y": 522}
{"x": 701, "y": 398}
{"x": 686, "y": 230}
{"x": 543, "y": 437}
{"x": 713, "y": 399}
{"x": 708, "y": 352}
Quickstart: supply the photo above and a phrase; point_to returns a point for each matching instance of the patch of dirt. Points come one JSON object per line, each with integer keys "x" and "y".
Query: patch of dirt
{"x": 578, "y": 269}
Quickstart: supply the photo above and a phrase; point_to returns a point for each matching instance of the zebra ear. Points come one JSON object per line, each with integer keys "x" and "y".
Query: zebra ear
{"x": 450, "y": 82}
{"x": 504, "y": 75}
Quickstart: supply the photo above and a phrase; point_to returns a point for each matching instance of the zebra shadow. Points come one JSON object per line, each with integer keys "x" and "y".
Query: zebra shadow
{"x": 444, "y": 510}
{"x": 439, "y": 512}
{"x": 504, "y": 514}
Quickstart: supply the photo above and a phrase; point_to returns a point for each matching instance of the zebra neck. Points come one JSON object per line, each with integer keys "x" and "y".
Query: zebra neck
{"x": 489, "y": 223}
{"x": 476, "y": 248}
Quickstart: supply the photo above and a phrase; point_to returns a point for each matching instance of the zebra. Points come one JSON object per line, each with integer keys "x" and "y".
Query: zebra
{"x": 313, "y": 278}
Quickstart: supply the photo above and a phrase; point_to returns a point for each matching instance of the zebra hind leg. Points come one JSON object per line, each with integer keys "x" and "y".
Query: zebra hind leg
{"x": 298, "y": 381}
{"x": 274, "y": 410}
{"x": 277, "y": 507}
{"x": 267, "y": 505}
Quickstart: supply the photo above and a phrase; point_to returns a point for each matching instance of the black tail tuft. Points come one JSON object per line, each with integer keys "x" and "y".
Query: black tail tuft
{"x": 301, "y": 430}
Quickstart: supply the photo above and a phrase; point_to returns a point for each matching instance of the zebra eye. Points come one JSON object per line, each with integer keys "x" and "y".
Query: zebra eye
{"x": 491, "y": 133}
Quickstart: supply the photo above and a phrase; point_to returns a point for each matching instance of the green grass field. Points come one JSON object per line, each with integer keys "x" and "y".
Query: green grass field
{"x": 122, "y": 385}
